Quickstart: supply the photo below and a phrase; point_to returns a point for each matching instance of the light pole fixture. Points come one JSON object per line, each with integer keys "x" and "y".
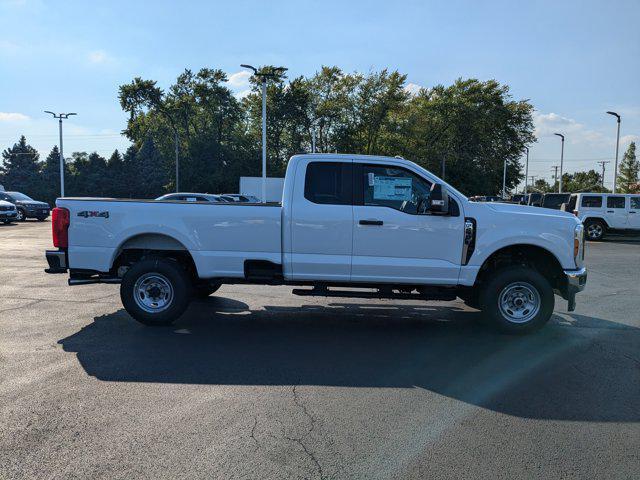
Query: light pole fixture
{"x": 561, "y": 161}
{"x": 615, "y": 165}
{"x": 60, "y": 117}
{"x": 264, "y": 75}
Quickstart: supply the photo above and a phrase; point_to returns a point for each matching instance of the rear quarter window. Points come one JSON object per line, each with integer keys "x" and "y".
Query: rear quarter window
{"x": 591, "y": 201}
{"x": 615, "y": 202}
{"x": 329, "y": 183}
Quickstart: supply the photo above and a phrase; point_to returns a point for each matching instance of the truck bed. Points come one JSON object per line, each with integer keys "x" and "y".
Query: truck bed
{"x": 219, "y": 236}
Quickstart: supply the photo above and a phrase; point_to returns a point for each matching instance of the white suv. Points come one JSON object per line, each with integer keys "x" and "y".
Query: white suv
{"x": 604, "y": 212}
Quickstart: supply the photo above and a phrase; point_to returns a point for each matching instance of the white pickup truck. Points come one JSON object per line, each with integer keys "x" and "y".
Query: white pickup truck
{"x": 348, "y": 225}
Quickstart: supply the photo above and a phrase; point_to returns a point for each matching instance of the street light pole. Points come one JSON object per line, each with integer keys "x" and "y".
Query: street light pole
{"x": 561, "y": 161}
{"x": 60, "y": 117}
{"x": 504, "y": 181}
{"x": 615, "y": 168}
{"x": 263, "y": 75}
{"x": 526, "y": 172}
{"x": 177, "y": 161}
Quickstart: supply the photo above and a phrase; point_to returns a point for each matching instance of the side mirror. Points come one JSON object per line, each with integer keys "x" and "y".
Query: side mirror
{"x": 438, "y": 200}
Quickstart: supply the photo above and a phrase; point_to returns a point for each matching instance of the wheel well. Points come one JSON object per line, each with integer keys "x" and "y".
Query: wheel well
{"x": 148, "y": 245}
{"x": 538, "y": 258}
{"x": 597, "y": 219}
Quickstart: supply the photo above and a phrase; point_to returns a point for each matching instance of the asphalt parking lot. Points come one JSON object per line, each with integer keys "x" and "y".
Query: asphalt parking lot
{"x": 257, "y": 383}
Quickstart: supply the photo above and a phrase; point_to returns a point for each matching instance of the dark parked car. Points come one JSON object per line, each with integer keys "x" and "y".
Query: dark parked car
{"x": 555, "y": 200}
{"x": 535, "y": 199}
{"x": 27, "y": 207}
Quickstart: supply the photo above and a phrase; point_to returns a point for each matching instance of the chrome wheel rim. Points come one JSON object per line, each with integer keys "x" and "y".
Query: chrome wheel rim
{"x": 20, "y": 215}
{"x": 153, "y": 292}
{"x": 519, "y": 302}
{"x": 594, "y": 230}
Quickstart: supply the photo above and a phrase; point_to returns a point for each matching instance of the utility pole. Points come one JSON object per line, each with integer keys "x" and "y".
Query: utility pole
{"x": 263, "y": 76}
{"x": 533, "y": 177}
{"x": 603, "y": 163}
{"x": 443, "y": 168}
{"x": 526, "y": 171}
{"x": 555, "y": 174}
{"x": 615, "y": 168}
{"x": 60, "y": 117}
{"x": 561, "y": 161}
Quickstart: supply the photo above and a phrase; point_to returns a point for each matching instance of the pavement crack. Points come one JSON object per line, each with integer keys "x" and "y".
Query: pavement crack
{"x": 312, "y": 425}
{"x": 253, "y": 432}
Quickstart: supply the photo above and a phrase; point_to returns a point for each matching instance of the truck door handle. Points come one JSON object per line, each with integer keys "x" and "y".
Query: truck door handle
{"x": 610, "y": 211}
{"x": 371, "y": 222}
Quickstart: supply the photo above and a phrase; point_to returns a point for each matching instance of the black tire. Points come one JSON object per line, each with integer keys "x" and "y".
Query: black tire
{"x": 22, "y": 216}
{"x": 594, "y": 230}
{"x": 203, "y": 291}
{"x": 6, "y": 222}
{"x": 163, "y": 272}
{"x": 521, "y": 284}
{"x": 41, "y": 219}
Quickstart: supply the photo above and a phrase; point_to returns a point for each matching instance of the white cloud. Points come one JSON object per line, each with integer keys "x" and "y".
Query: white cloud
{"x": 412, "y": 88}
{"x": 243, "y": 93}
{"x": 546, "y": 124}
{"x": 13, "y": 117}
{"x": 100, "y": 57}
{"x": 239, "y": 79}
{"x": 626, "y": 139}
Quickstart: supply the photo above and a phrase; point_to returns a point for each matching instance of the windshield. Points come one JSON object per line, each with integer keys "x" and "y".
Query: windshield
{"x": 19, "y": 196}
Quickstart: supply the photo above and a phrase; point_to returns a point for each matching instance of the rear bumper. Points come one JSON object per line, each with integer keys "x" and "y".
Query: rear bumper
{"x": 57, "y": 260}
{"x": 576, "y": 281}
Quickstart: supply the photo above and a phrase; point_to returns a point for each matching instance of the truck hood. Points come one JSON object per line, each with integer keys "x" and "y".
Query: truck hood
{"x": 528, "y": 210}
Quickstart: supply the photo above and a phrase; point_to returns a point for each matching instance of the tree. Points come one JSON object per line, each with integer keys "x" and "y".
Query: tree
{"x": 541, "y": 185}
{"x": 50, "y": 176}
{"x": 629, "y": 171}
{"x": 590, "y": 181}
{"x": 20, "y": 170}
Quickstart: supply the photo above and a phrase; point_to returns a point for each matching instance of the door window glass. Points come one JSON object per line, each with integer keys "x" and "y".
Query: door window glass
{"x": 615, "y": 202}
{"x": 396, "y": 188}
{"x": 635, "y": 203}
{"x": 328, "y": 183}
{"x": 593, "y": 201}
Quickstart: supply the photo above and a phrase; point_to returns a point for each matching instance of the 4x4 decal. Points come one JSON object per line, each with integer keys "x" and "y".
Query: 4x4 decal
{"x": 88, "y": 214}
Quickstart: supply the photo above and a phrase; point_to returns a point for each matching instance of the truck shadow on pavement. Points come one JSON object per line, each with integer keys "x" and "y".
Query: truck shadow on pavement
{"x": 577, "y": 368}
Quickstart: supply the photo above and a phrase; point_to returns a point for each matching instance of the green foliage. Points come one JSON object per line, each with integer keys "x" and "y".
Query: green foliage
{"x": 590, "y": 181}
{"x": 628, "y": 171}
{"x": 20, "y": 170}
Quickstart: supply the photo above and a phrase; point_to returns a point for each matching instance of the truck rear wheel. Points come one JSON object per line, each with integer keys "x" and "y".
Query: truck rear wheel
{"x": 155, "y": 291}
{"x": 517, "y": 300}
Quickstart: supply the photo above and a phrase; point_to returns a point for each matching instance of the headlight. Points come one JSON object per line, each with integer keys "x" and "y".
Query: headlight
{"x": 578, "y": 245}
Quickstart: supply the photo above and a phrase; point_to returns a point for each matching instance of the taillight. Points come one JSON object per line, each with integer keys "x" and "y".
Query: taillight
{"x": 60, "y": 227}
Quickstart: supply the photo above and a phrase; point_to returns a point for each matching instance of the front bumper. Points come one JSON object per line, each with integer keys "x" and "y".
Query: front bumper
{"x": 36, "y": 212}
{"x": 576, "y": 280}
{"x": 8, "y": 215}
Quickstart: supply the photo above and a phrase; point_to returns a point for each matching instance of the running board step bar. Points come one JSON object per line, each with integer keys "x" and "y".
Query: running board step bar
{"x": 432, "y": 294}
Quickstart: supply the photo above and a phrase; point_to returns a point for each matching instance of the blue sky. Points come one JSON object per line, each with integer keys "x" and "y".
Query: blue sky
{"x": 573, "y": 60}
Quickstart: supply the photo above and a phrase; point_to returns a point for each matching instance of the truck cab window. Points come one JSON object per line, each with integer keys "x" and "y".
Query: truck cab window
{"x": 329, "y": 183}
{"x": 395, "y": 188}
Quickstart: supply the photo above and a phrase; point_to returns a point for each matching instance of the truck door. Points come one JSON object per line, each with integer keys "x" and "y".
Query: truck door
{"x": 616, "y": 212}
{"x": 321, "y": 222}
{"x": 393, "y": 242}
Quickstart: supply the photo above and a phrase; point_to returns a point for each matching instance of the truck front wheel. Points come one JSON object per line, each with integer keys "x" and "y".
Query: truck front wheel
{"x": 155, "y": 291}
{"x": 517, "y": 299}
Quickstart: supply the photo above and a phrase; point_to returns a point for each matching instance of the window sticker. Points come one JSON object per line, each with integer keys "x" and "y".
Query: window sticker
{"x": 392, "y": 188}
